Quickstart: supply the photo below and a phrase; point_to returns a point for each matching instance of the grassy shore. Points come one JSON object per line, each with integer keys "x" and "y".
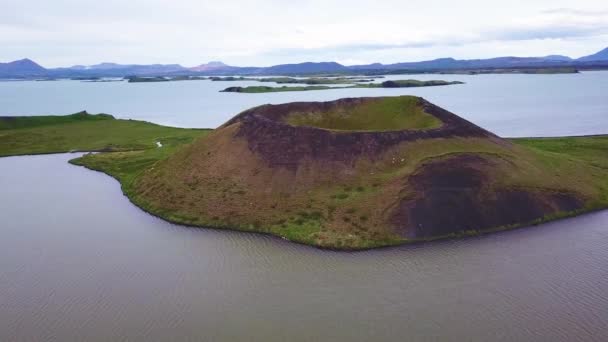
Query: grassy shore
{"x": 133, "y": 150}
{"x": 395, "y": 113}
{"x": 385, "y": 84}
{"x": 86, "y": 132}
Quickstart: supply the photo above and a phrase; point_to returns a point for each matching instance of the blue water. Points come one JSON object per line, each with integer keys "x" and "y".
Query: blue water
{"x": 509, "y": 105}
{"x": 79, "y": 262}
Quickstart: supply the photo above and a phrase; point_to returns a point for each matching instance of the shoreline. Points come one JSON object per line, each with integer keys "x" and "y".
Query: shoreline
{"x": 452, "y": 237}
{"x": 389, "y": 240}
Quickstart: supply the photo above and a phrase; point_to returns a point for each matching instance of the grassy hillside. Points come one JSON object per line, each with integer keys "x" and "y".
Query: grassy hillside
{"x": 335, "y": 186}
{"x": 278, "y": 180}
{"x": 84, "y": 132}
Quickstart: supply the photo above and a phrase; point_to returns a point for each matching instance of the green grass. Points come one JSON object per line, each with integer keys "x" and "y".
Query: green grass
{"x": 591, "y": 149}
{"x": 15, "y": 122}
{"x": 314, "y": 80}
{"x": 231, "y": 78}
{"x": 353, "y": 82}
{"x": 137, "y": 79}
{"x": 265, "y": 89}
{"x": 411, "y": 83}
{"x": 307, "y": 226}
{"x": 126, "y": 166}
{"x": 387, "y": 114}
{"x": 85, "y": 132}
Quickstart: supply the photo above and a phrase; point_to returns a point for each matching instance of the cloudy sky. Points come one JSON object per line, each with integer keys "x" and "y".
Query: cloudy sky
{"x": 265, "y": 32}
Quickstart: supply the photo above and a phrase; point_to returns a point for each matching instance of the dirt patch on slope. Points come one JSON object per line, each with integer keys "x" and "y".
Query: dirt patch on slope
{"x": 459, "y": 193}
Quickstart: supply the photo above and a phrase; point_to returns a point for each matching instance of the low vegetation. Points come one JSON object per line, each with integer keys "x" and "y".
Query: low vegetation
{"x": 410, "y": 83}
{"x": 265, "y": 89}
{"x": 148, "y": 79}
{"x": 391, "y": 114}
{"x": 231, "y": 78}
{"x": 316, "y": 80}
{"x": 85, "y": 132}
{"x": 385, "y": 84}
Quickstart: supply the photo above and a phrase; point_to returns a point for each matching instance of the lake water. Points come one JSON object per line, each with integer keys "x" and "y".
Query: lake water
{"x": 78, "y": 262}
{"x": 509, "y": 105}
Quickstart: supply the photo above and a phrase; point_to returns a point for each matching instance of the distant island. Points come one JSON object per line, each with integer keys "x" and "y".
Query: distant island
{"x": 144, "y": 79}
{"x": 552, "y": 64}
{"x": 349, "y": 174}
{"x": 386, "y": 84}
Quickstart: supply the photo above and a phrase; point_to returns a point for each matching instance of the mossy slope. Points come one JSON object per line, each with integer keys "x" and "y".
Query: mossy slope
{"x": 340, "y": 187}
{"x": 326, "y": 179}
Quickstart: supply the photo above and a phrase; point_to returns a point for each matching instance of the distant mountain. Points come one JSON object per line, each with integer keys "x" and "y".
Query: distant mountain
{"x": 21, "y": 68}
{"x": 600, "y": 56}
{"x": 116, "y": 70}
{"x": 451, "y": 63}
{"x": 216, "y": 68}
{"x": 557, "y": 58}
{"x": 26, "y": 68}
{"x": 303, "y": 68}
{"x": 211, "y": 66}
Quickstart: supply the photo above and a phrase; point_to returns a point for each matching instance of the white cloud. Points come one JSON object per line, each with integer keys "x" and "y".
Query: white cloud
{"x": 264, "y": 32}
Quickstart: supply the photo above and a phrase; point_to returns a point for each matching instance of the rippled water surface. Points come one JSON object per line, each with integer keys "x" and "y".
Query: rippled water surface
{"x": 78, "y": 262}
{"x": 509, "y": 105}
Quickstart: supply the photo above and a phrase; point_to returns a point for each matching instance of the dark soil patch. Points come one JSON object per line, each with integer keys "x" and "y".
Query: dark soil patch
{"x": 455, "y": 195}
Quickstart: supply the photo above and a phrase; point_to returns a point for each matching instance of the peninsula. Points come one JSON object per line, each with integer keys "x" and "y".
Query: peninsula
{"x": 385, "y": 84}
{"x": 349, "y": 174}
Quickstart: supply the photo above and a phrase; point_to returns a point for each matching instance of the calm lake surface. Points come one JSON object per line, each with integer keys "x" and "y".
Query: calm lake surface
{"x": 79, "y": 262}
{"x": 508, "y": 105}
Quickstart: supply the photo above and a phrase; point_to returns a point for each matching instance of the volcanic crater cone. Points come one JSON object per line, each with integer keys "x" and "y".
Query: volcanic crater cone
{"x": 358, "y": 173}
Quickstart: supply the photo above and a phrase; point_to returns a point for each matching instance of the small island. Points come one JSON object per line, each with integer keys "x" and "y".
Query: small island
{"x": 149, "y": 79}
{"x": 267, "y": 89}
{"x": 318, "y": 80}
{"x": 350, "y": 174}
{"x": 361, "y": 173}
{"x": 385, "y": 84}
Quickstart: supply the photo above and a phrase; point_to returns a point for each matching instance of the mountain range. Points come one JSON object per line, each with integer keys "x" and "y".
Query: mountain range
{"x": 26, "y": 68}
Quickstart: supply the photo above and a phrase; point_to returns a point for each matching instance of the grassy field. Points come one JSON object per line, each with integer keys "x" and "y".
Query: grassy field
{"x": 592, "y": 150}
{"x": 386, "y": 84}
{"x": 14, "y": 122}
{"x": 395, "y": 113}
{"x": 265, "y": 89}
{"x": 85, "y": 132}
